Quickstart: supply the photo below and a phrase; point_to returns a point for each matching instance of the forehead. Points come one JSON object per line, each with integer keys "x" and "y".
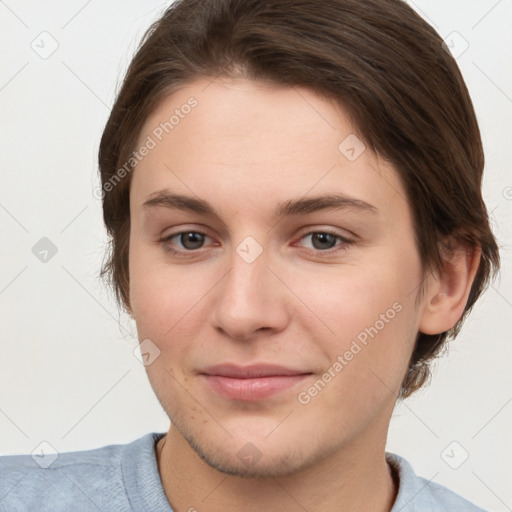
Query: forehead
{"x": 252, "y": 145}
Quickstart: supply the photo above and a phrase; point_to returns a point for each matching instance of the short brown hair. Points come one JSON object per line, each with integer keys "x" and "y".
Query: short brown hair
{"x": 378, "y": 59}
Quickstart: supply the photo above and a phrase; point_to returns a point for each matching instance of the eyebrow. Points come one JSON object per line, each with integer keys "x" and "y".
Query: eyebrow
{"x": 164, "y": 198}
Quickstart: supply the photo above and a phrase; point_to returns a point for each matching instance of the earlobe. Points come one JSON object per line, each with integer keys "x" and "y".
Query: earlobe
{"x": 448, "y": 293}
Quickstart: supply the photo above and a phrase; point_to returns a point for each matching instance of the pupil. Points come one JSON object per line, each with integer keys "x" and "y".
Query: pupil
{"x": 323, "y": 238}
{"x": 191, "y": 240}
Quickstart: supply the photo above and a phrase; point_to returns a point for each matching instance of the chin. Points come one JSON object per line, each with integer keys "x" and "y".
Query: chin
{"x": 254, "y": 457}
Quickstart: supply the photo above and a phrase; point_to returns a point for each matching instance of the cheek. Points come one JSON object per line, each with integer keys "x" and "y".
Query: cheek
{"x": 366, "y": 364}
{"x": 369, "y": 321}
{"x": 170, "y": 304}
{"x": 158, "y": 291}
{"x": 348, "y": 299}
{"x": 162, "y": 302}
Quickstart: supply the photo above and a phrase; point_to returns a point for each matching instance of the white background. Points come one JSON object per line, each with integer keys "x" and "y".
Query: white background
{"x": 68, "y": 374}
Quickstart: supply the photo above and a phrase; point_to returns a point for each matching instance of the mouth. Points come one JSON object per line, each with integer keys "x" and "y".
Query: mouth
{"x": 251, "y": 383}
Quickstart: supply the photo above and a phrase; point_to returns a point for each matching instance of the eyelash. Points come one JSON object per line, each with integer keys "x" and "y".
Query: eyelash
{"x": 346, "y": 242}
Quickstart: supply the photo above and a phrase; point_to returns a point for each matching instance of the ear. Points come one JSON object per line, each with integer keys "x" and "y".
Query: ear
{"x": 448, "y": 291}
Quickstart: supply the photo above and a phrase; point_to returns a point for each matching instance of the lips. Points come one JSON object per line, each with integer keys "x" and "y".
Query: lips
{"x": 252, "y": 371}
{"x": 251, "y": 383}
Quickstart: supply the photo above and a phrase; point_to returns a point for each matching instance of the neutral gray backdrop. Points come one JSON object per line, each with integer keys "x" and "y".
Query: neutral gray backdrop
{"x": 68, "y": 373}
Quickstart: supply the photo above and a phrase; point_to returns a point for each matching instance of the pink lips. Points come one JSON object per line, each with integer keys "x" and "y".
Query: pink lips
{"x": 253, "y": 382}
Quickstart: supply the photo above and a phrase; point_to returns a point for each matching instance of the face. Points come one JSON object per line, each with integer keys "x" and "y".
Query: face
{"x": 257, "y": 269}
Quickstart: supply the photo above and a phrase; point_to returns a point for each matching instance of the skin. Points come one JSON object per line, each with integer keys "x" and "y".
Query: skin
{"x": 245, "y": 148}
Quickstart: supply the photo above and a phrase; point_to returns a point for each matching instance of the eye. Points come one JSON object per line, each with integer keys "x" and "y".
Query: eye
{"x": 325, "y": 241}
{"x": 190, "y": 241}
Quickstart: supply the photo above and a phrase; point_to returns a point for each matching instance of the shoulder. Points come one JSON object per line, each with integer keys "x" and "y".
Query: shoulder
{"x": 417, "y": 494}
{"x": 81, "y": 480}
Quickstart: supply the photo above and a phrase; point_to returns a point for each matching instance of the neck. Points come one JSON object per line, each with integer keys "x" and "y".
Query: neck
{"x": 351, "y": 479}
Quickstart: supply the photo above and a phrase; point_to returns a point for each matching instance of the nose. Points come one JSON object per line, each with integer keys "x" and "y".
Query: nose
{"x": 251, "y": 298}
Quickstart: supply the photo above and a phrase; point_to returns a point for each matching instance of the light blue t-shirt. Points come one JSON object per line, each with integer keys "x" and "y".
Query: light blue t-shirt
{"x": 125, "y": 478}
